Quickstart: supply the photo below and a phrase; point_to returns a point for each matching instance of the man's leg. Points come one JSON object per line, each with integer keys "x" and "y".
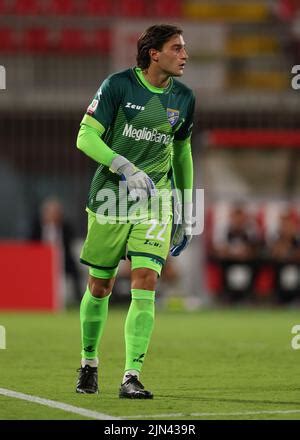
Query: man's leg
{"x": 103, "y": 248}
{"x": 148, "y": 247}
{"x": 93, "y": 316}
{"x": 139, "y": 325}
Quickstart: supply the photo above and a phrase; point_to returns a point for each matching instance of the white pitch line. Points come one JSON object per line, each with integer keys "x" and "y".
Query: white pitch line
{"x": 58, "y": 405}
{"x": 246, "y": 413}
{"x": 101, "y": 416}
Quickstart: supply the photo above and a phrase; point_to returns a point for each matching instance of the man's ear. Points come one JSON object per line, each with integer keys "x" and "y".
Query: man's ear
{"x": 154, "y": 54}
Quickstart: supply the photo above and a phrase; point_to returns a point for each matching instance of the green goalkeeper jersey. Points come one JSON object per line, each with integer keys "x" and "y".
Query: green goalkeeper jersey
{"x": 140, "y": 122}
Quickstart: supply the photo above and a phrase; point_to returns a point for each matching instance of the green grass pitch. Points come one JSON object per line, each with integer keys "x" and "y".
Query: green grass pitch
{"x": 210, "y": 364}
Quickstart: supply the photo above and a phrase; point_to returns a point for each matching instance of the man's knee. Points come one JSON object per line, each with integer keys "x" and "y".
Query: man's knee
{"x": 144, "y": 278}
{"x": 100, "y": 287}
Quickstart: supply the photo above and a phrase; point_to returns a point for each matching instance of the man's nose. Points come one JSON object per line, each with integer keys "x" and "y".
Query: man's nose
{"x": 184, "y": 54}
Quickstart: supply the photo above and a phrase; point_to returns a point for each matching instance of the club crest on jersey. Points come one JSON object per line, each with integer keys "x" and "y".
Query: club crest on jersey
{"x": 173, "y": 116}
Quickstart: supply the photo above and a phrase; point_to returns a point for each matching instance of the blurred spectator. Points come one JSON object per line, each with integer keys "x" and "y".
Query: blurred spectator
{"x": 51, "y": 226}
{"x": 294, "y": 38}
{"x": 237, "y": 253}
{"x": 288, "y": 13}
{"x": 240, "y": 241}
{"x": 285, "y": 246}
{"x": 284, "y": 251}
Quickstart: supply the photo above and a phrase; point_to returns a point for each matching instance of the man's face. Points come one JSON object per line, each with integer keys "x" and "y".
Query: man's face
{"x": 172, "y": 57}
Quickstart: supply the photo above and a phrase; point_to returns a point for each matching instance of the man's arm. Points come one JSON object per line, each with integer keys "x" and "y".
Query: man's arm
{"x": 89, "y": 141}
{"x": 182, "y": 165}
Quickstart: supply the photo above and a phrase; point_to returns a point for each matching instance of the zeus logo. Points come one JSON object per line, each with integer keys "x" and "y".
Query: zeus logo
{"x": 134, "y": 106}
{"x": 296, "y": 79}
{"x": 2, "y": 78}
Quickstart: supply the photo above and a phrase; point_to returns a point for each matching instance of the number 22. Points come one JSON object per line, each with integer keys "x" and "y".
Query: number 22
{"x": 153, "y": 225}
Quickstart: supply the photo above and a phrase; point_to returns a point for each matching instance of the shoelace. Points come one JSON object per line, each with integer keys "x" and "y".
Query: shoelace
{"x": 85, "y": 369}
{"x": 87, "y": 375}
{"x": 134, "y": 379}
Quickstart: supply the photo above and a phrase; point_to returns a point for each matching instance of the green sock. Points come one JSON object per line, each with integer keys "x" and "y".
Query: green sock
{"x": 93, "y": 315}
{"x": 138, "y": 327}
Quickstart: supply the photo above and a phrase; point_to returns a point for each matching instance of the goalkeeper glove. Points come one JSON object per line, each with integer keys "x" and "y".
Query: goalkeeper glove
{"x": 183, "y": 232}
{"x": 139, "y": 183}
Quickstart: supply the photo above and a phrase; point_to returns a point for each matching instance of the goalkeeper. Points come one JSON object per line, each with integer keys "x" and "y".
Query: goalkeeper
{"x": 138, "y": 130}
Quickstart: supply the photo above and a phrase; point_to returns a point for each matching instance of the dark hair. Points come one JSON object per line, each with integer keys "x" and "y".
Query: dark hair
{"x": 154, "y": 38}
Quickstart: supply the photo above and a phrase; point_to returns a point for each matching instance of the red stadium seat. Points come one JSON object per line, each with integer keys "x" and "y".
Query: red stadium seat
{"x": 59, "y": 7}
{"x": 4, "y": 8}
{"x": 132, "y": 8}
{"x": 287, "y": 9}
{"x": 35, "y": 40}
{"x": 103, "y": 8}
{"x": 7, "y": 40}
{"x": 213, "y": 278}
{"x": 265, "y": 281}
{"x": 101, "y": 41}
{"x": 166, "y": 8}
{"x": 72, "y": 40}
{"x": 26, "y": 7}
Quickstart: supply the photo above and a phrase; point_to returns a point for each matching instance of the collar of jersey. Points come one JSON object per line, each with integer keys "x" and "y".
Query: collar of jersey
{"x": 142, "y": 80}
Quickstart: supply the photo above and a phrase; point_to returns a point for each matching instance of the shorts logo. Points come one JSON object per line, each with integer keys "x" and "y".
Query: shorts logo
{"x": 173, "y": 116}
{"x": 93, "y": 106}
{"x": 152, "y": 243}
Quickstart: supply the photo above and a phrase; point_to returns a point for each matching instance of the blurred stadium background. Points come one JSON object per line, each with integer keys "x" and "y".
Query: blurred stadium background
{"x": 245, "y": 143}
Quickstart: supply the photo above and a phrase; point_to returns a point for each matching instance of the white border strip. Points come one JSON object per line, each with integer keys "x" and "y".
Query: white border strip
{"x": 246, "y": 413}
{"x": 57, "y": 405}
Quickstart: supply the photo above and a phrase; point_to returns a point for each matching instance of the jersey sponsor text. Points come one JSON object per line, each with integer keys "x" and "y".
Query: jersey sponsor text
{"x": 147, "y": 134}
